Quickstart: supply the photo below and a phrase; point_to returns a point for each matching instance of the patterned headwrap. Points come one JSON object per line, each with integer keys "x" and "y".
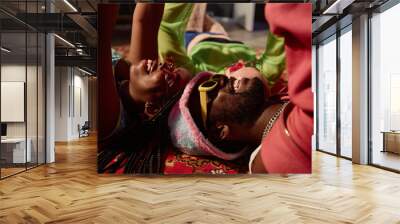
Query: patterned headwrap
{"x": 185, "y": 134}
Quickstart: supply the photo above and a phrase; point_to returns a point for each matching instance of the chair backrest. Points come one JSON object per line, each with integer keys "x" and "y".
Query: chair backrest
{"x": 86, "y": 125}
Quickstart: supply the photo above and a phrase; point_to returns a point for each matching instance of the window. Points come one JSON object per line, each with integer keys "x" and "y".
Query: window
{"x": 327, "y": 95}
{"x": 385, "y": 89}
{"x": 22, "y": 77}
{"x": 346, "y": 92}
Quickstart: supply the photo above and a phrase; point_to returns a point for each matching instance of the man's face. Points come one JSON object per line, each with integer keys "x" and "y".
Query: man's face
{"x": 236, "y": 105}
{"x": 240, "y": 101}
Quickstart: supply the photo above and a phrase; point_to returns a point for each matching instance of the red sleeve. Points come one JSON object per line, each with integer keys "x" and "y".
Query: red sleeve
{"x": 107, "y": 99}
{"x": 287, "y": 148}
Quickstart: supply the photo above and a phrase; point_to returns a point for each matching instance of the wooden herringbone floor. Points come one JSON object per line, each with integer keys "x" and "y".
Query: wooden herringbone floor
{"x": 70, "y": 191}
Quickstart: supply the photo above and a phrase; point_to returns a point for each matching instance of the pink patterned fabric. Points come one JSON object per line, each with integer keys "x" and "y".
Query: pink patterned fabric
{"x": 185, "y": 135}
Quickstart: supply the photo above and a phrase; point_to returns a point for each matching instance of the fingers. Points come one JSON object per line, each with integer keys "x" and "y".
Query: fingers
{"x": 142, "y": 67}
{"x": 148, "y": 66}
{"x": 151, "y": 65}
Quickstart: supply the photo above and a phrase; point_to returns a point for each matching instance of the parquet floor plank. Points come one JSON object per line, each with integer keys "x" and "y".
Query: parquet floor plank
{"x": 70, "y": 191}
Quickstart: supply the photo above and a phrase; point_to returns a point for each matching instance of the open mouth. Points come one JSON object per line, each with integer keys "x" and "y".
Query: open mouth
{"x": 151, "y": 65}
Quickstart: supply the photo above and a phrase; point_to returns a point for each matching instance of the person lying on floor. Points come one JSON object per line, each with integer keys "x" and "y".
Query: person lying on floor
{"x": 207, "y": 51}
{"x": 150, "y": 84}
{"x": 232, "y": 113}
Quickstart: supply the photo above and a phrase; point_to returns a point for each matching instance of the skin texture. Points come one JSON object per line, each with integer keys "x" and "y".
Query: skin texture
{"x": 250, "y": 73}
{"x": 235, "y": 106}
{"x": 146, "y": 22}
{"x": 239, "y": 113}
{"x": 153, "y": 85}
{"x": 149, "y": 83}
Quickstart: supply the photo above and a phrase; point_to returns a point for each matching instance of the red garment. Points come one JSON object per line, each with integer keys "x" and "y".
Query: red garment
{"x": 287, "y": 148}
{"x": 181, "y": 163}
{"x": 108, "y": 100}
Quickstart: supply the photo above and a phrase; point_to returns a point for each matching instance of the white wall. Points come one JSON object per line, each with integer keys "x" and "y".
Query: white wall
{"x": 62, "y": 80}
{"x": 70, "y": 83}
{"x": 92, "y": 98}
{"x": 80, "y": 94}
{"x": 82, "y": 82}
{"x": 12, "y": 73}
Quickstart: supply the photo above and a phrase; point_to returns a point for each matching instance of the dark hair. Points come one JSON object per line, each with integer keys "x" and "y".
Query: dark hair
{"x": 245, "y": 111}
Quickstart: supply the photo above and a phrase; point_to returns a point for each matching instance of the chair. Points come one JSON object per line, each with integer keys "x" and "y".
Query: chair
{"x": 84, "y": 130}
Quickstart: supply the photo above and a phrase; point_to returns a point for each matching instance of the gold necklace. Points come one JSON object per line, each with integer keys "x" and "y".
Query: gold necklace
{"x": 271, "y": 121}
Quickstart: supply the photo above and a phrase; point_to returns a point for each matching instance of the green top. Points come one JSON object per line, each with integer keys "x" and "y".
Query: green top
{"x": 214, "y": 56}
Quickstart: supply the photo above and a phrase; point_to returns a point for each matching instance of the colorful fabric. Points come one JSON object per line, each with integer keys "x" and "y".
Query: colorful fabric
{"x": 287, "y": 147}
{"x": 185, "y": 134}
{"x": 208, "y": 56}
{"x": 181, "y": 163}
{"x": 171, "y": 34}
{"x": 214, "y": 56}
{"x": 272, "y": 62}
{"x": 189, "y": 35}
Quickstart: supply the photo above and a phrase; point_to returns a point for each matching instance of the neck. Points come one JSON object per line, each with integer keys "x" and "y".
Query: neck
{"x": 256, "y": 131}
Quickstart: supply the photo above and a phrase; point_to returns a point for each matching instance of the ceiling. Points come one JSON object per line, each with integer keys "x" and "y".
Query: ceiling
{"x": 331, "y": 15}
{"x": 74, "y": 21}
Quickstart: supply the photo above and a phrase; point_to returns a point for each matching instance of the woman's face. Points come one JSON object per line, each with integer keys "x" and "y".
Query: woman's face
{"x": 154, "y": 84}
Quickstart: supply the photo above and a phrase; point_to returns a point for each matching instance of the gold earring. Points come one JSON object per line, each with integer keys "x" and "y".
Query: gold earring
{"x": 151, "y": 108}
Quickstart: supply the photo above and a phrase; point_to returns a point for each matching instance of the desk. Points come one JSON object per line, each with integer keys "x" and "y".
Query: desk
{"x": 391, "y": 141}
{"x": 13, "y": 150}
